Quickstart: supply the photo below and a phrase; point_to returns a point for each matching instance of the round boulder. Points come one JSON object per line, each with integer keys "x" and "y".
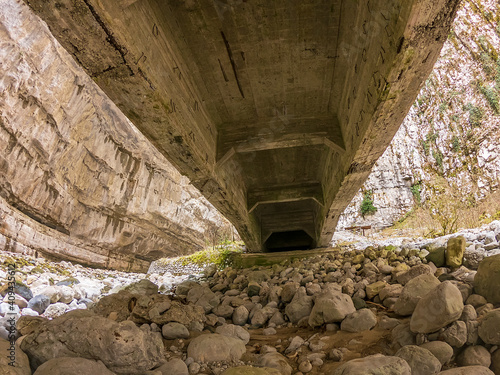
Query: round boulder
{"x": 489, "y": 328}
{"x": 421, "y": 360}
{"x": 487, "y": 279}
{"x": 214, "y": 347}
{"x": 438, "y": 308}
{"x": 72, "y": 366}
{"x": 374, "y": 364}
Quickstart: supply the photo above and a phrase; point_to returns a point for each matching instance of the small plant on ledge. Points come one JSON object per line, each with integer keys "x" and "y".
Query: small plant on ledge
{"x": 367, "y": 207}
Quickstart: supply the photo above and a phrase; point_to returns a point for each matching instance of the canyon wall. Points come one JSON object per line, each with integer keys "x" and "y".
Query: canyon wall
{"x": 452, "y": 132}
{"x": 77, "y": 180}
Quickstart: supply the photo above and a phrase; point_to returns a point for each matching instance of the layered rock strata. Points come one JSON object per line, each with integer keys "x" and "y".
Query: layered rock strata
{"x": 77, "y": 180}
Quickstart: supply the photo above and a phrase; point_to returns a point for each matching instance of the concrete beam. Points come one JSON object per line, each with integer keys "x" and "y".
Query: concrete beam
{"x": 243, "y": 96}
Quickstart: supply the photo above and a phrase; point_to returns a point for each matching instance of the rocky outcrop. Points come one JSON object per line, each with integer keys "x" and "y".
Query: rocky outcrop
{"x": 452, "y": 131}
{"x": 77, "y": 180}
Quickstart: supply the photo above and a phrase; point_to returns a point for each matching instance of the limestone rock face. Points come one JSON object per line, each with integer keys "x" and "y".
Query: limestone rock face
{"x": 77, "y": 180}
{"x": 122, "y": 347}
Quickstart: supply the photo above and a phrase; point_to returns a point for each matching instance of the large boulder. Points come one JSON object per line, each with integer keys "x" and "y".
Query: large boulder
{"x": 468, "y": 370}
{"x": 331, "y": 307}
{"x": 489, "y": 328}
{"x": 275, "y": 360}
{"x": 487, "y": 279}
{"x": 142, "y": 287}
{"x": 249, "y": 370}
{"x": 175, "y": 366}
{"x": 360, "y": 320}
{"x": 421, "y": 360}
{"x": 455, "y": 249}
{"x": 214, "y": 347}
{"x": 122, "y": 347}
{"x": 72, "y": 366}
{"x": 19, "y": 362}
{"x": 440, "y": 349}
{"x": 204, "y": 297}
{"x": 413, "y": 291}
{"x": 374, "y": 364}
{"x": 438, "y": 308}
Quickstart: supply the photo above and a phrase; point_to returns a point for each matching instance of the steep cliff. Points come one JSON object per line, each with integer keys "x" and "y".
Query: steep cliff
{"x": 77, "y": 180}
{"x": 448, "y": 145}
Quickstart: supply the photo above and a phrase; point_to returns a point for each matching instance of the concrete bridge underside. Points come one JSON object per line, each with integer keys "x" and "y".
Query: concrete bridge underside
{"x": 276, "y": 110}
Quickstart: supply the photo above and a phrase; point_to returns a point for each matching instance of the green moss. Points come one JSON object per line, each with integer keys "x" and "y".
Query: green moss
{"x": 491, "y": 95}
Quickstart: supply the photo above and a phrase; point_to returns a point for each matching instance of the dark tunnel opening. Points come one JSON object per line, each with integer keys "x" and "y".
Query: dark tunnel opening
{"x": 290, "y": 240}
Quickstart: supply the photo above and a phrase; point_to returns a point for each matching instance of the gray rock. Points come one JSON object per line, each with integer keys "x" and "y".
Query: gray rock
{"x": 360, "y": 320}
{"x": 440, "y": 307}
{"x": 55, "y": 310}
{"x": 72, "y": 366}
{"x": 175, "y": 366}
{"x": 261, "y": 316}
{"x": 240, "y": 315}
{"x": 413, "y": 272}
{"x": 289, "y": 291}
{"x": 421, "y": 360}
{"x": 413, "y": 291}
{"x": 39, "y": 303}
{"x": 300, "y": 307}
{"x": 495, "y": 362}
{"x": 375, "y": 364}
{"x": 80, "y": 333}
{"x": 275, "y": 360}
{"x": 249, "y": 370}
{"x": 388, "y": 323}
{"x": 440, "y": 349}
{"x": 487, "y": 279}
{"x": 402, "y": 335}
{"x": 391, "y": 291}
{"x": 204, "y": 297}
{"x": 475, "y": 355}
{"x": 469, "y": 313}
{"x": 489, "y": 328}
{"x": 455, "y": 334}
{"x": 142, "y": 287}
{"x": 476, "y": 300}
{"x": 235, "y": 331}
{"x": 174, "y": 330}
{"x": 330, "y": 308}
{"x": 296, "y": 343}
{"x": 468, "y": 370}
{"x": 214, "y": 347}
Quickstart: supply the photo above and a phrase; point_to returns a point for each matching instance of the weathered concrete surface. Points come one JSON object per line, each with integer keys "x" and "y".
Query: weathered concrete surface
{"x": 77, "y": 180}
{"x": 275, "y": 110}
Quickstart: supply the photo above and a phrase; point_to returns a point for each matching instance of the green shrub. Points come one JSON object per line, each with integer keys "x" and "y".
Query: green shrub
{"x": 438, "y": 156}
{"x": 367, "y": 207}
{"x": 492, "y": 98}
{"x": 475, "y": 114}
{"x": 425, "y": 146}
{"x": 455, "y": 144}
